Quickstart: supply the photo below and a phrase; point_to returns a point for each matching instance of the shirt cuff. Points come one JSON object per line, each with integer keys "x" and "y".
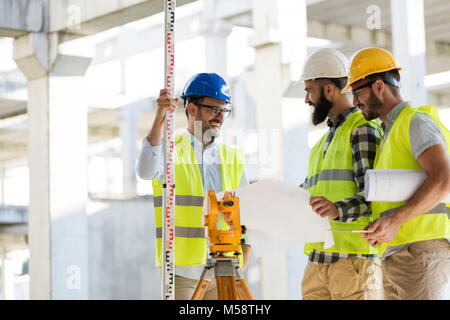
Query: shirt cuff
{"x": 343, "y": 216}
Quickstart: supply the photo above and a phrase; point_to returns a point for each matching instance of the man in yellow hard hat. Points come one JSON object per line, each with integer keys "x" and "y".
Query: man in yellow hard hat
{"x": 411, "y": 237}
{"x": 335, "y": 181}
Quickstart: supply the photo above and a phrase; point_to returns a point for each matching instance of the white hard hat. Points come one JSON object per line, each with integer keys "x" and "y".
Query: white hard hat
{"x": 325, "y": 63}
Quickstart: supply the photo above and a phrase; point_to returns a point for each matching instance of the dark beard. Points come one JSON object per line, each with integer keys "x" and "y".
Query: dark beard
{"x": 321, "y": 109}
{"x": 374, "y": 107}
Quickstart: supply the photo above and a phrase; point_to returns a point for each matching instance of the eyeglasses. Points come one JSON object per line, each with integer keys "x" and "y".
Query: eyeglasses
{"x": 368, "y": 84}
{"x": 215, "y": 111}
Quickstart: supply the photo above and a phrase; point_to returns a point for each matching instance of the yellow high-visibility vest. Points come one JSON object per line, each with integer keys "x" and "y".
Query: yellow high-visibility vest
{"x": 332, "y": 177}
{"x": 396, "y": 154}
{"x": 190, "y": 241}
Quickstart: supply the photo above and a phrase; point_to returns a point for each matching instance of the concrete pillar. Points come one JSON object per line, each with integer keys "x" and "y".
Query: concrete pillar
{"x": 7, "y": 276}
{"x": 280, "y": 48}
{"x": 245, "y": 122}
{"x": 57, "y": 148}
{"x": 2, "y": 183}
{"x": 409, "y": 46}
{"x": 282, "y": 119}
{"x": 129, "y": 119}
{"x": 274, "y": 283}
{"x": 215, "y": 32}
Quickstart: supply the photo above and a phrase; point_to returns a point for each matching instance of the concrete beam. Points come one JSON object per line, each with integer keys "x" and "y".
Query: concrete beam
{"x": 13, "y": 214}
{"x": 11, "y": 108}
{"x": 18, "y": 17}
{"x": 79, "y": 17}
{"x": 88, "y": 17}
{"x": 15, "y": 229}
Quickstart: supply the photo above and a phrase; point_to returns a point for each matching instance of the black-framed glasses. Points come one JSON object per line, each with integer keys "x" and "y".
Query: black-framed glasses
{"x": 215, "y": 110}
{"x": 368, "y": 84}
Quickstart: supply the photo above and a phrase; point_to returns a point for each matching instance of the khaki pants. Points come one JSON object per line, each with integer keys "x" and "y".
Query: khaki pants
{"x": 419, "y": 271}
{"x": 185, "y": 287}
{"x": 347, "y": 279}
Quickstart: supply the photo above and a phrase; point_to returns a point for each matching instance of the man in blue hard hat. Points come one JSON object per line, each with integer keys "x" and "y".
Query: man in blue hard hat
{"x": 200, "y": 164}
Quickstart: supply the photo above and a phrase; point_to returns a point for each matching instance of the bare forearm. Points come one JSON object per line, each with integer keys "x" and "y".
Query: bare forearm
{"x": 155, "y": 134}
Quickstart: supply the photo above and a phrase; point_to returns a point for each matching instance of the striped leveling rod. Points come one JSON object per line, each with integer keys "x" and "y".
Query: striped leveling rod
{"x": 168, "y": 234}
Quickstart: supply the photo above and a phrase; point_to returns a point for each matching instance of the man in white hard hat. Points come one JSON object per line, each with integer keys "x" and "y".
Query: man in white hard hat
{"x": 335, "y": 181}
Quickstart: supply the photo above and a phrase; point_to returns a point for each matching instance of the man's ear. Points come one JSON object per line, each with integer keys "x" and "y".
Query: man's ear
{"x": 192, "y": 109}
{"x": 329, "y": 90}
{"x": 379, "y": 86}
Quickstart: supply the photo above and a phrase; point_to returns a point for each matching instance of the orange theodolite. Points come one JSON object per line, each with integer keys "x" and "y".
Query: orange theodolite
{"x": 224, "y": 237}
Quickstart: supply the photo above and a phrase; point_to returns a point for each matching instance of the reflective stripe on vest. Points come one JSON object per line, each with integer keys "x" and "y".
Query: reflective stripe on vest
{"x": 185, "y": 232}
{"x": 332, "y": 177}
{"x": 396, "y": 154}
{"x": 190, "y": 241}
{"x": 439, "y": 209}
{"x": 181, "y": 200}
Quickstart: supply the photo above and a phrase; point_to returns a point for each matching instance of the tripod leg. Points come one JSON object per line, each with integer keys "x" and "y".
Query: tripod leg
{"x": 203, "y": 284}
{"x": 226, "y": 288}
{"x": 242, "y": 288}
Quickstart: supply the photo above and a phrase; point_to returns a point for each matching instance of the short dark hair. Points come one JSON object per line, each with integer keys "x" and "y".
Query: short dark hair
{"x": 388, "y": 74}
{"x": 339, "y": 83}
{"x": 191, "y": 99}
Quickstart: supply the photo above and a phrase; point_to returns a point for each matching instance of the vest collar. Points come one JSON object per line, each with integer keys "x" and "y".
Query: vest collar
{"x": 197, "y": 144}
{"x": 392, "y": 116}
{"x": 341, "y": 117}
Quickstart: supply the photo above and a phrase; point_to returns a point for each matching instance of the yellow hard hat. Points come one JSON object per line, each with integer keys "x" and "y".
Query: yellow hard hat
{"x": 369, "y": 61}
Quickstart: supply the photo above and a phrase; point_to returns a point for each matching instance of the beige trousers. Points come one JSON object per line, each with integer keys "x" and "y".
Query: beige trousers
{"x": 347, "y": 279}
{"x": 185, "y": 287}
{"x": 419, "y": 271}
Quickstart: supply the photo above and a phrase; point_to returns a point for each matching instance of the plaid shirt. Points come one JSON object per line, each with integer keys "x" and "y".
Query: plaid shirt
{"x": 364, "y": 143}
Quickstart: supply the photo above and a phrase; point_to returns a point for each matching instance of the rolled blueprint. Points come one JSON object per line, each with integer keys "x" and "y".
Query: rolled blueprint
{"x": 394, "y": 185}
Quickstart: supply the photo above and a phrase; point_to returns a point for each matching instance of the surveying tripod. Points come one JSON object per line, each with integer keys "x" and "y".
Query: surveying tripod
{"x": 230, "y": 280}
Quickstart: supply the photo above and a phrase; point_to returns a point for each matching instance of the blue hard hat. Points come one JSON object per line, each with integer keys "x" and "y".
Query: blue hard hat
{"x": 207, "y": 85}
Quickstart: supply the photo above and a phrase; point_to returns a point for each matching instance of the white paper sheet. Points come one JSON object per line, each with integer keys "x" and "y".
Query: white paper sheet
{"x": 393, "y": 185}
{"x": 278, "y": 215}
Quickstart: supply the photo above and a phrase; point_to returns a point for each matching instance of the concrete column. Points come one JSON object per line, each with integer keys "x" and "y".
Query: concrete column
{"x": 2, "y": 183}
{"x": 57, "y": 147}
{"x": 279, "y": 38}
{"x": 215, "y": 32}
{"x": 409, "y": 46}
{"x": 129, "y": 119}
{"x": 280, "y": 47}
{"x": 7, "y": 277}
{"x": 246, "y": 130}
{"x": 274, "y": 283}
